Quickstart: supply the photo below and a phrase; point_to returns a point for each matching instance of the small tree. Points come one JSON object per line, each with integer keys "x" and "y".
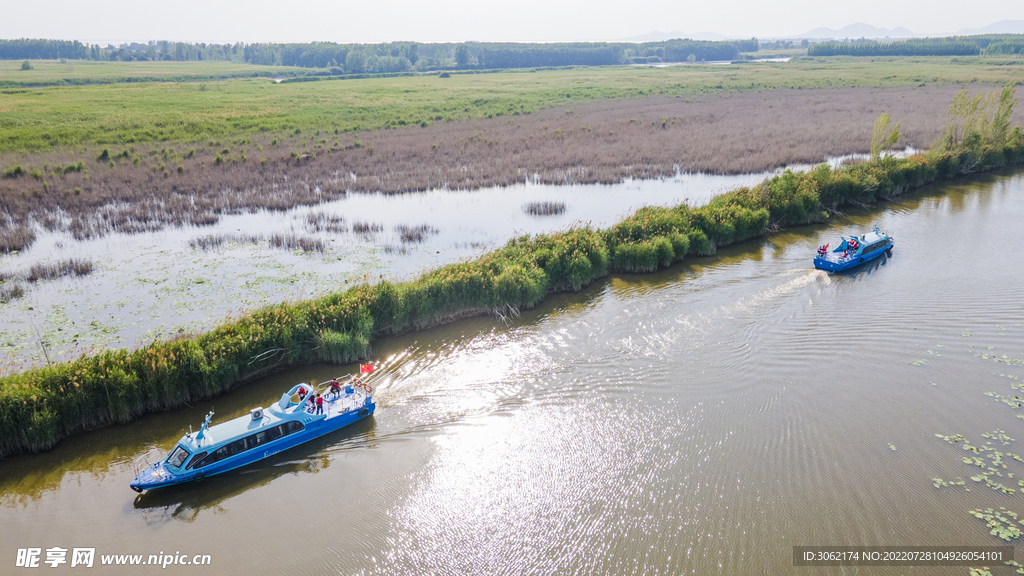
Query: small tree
{"x": 1001, "y": 121}
{"x": 26, "y": 65}
{"x": 355, "y": 61}
{"x": 462, "y": 55}
{"x": 881, "y": 139}
{"x": 691, "y": 58}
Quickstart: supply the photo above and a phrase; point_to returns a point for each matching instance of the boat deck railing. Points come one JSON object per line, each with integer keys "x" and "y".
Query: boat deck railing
{"x": 146, "y": 461}
{"x": 335, "y": 404}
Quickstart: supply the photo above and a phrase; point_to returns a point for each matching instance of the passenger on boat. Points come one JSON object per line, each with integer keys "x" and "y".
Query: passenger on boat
{"x": 853, "y": 244}
{"x": 335, "y": 388}
{"x": 302, "y": 393}
{"x": 319, "y": 404}
{"x": 846, "y": 254}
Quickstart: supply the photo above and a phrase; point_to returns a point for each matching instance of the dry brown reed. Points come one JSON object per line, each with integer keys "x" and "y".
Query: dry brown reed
{"x": 11, "y": 292}
{"x": 212, "y": 241}
{"x": 366, "y": 228}
{"x": 71, "y": 267}
{"x": 294, "y": 241}
{"x": 323, "y": 222}
{"x": 411, "y": 234}
{"x": 145, "y": 187}
{"x": 15, "y": 237}
{"x": 544, "y": 208}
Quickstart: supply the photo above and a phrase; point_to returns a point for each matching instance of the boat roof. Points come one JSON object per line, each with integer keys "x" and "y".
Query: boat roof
{"x": 868, "y": 238}
{"x": 230, "y": 430}
{"x": 282, "y": 411}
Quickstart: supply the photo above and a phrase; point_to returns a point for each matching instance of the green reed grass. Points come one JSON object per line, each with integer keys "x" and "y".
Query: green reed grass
{"x": 41, "y": 406}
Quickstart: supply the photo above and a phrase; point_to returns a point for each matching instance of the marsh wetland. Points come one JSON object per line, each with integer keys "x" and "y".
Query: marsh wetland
{"x": 702, "y": 419}
{"x": 185, "y": 280}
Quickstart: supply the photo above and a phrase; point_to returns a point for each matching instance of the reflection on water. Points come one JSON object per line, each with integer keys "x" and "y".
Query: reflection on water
{"x": 703, "y": 419}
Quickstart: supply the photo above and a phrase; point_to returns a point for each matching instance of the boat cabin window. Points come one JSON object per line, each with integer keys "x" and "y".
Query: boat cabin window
{"x": 195, "y": 460}
{"x": 875, "y": 246}
{"x": 178, "y": 456}
{"x": 247, "y": 443}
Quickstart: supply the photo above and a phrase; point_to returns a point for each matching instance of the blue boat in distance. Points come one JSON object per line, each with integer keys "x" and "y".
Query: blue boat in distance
{"x": 293, "y": 420}
{"x": 854, "y": 251}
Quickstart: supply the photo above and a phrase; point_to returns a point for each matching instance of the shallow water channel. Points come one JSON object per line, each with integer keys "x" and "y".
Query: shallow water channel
{"x": 701, "y": 420}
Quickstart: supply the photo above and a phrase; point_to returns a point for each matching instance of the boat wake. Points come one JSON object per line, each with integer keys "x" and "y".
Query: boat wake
{"x": 802, "y": 279}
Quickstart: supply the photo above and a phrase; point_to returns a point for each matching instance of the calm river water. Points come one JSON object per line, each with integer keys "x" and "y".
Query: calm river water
{"x": 702, "y": 420}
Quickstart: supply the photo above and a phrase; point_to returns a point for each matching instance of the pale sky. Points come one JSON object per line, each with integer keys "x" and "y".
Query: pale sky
{"x": 462, "y": 20}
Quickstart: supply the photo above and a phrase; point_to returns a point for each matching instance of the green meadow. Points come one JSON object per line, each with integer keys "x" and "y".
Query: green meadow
{"x": 44, "y": 118}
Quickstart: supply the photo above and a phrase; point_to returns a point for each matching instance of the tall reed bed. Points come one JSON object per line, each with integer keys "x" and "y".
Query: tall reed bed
{"x": 70, "y": 267}
{"x": 41, "y": 406}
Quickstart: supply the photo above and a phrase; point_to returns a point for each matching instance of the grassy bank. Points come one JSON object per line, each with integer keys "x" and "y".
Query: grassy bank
{"x": 41, "y": 406}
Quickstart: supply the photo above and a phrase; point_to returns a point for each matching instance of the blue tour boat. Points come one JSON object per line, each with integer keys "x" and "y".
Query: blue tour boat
{"x": 854, "y": 251}
{"x": 291, "y": 421}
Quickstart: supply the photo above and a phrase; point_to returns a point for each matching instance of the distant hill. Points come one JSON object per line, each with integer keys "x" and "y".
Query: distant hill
{"x": 1001, "y": 27}
{"x": 858, "y": 30}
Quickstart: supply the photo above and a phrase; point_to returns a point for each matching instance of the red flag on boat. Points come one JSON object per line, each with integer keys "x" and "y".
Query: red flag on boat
{"x": 366, "y": 369}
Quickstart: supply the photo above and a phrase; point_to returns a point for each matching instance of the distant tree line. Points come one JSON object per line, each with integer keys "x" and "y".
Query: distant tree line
{"x": 354, "y": 58}
{"x": 535, "y": 55}
{"x": 984, "y": 40}
{"x": 392, "y": 56}
{"x": 404, "y": 56}
{"x": 923, "y": 47}
{"x": 1006, "y": 46}
{"x": 43, "y": 49}
{"x": 33, "y": 49}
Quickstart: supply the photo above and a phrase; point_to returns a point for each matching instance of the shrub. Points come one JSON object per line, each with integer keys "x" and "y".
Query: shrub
{"x": 14, "y": 172}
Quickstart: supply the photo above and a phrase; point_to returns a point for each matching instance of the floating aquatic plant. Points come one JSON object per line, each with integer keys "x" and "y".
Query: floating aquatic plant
{"x": 940, "y": 483}
{"x": 987, "y": 459}
{"x": 1001, "y": 358}
{"x": 1001, "y": 523}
